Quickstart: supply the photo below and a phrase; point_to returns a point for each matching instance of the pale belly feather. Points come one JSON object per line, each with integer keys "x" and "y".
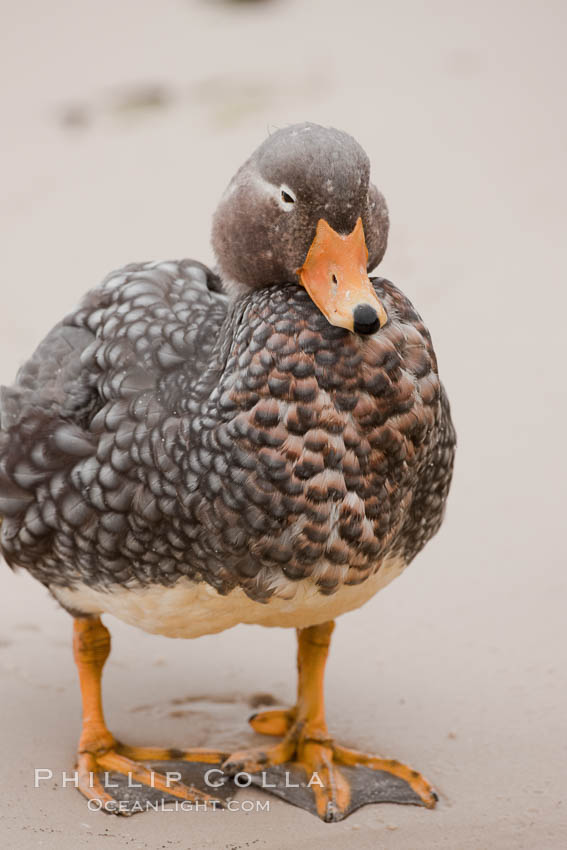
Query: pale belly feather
{"x": 190, "y": 609}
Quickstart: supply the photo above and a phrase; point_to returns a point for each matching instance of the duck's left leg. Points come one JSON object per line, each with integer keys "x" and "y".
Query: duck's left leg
{"x": 307, "y": 767}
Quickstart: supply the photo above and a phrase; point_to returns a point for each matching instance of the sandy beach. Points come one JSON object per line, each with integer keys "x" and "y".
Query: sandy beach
{"x": 122, "y": 124}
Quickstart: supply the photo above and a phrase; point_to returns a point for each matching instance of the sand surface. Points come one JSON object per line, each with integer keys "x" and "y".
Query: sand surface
{"x": 122, "y": 123}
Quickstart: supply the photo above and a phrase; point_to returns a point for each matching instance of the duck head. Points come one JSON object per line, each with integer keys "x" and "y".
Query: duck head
{"x": 302, "y": 209}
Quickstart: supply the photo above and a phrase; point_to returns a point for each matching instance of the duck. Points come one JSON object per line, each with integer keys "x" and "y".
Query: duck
{"x": 264, "y": 443}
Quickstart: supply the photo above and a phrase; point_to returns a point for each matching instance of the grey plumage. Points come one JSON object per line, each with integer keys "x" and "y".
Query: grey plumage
{"x": 164, "y": 430}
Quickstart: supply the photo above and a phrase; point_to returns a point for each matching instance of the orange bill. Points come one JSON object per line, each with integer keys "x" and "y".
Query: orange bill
{"x": 334, "y": 275}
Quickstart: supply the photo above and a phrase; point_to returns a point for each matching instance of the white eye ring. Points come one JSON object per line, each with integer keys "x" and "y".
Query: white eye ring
{"x": 286, "y": 198}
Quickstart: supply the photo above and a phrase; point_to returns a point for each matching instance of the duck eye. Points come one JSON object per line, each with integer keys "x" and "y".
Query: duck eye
{"x": 286, "y": 196}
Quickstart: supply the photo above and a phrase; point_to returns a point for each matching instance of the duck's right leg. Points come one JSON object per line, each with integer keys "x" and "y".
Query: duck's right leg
{"x": 100, "y": 752}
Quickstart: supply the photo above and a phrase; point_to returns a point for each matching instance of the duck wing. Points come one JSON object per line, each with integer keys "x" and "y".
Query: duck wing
{"x": 113, "y": 351}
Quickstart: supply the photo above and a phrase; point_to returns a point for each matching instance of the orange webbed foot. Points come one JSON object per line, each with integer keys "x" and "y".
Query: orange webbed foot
{"x": 124, "y": 780}
{"x": 308, "y": 769}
